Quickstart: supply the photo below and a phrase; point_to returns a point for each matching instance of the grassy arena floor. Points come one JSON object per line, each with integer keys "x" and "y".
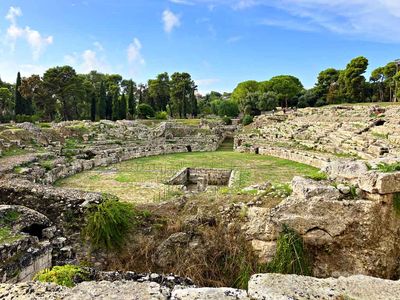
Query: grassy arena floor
{"x": 141, "y": 180}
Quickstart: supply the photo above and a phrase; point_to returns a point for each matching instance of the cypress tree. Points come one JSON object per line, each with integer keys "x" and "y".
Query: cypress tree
{"x": 19, "y": 101}
{"x": 131, "y": 100}
{"x": 102, "y": 102}
{"x": 93, "y": 108}
{"x": 115, "y": 107}
{"x": 122, "y": 107}
{"x": 109, "y": 105}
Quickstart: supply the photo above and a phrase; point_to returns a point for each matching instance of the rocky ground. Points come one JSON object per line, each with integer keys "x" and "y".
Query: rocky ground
{"x": 261, "y": 287}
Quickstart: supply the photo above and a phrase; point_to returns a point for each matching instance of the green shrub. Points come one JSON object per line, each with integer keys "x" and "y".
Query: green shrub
{"x": 387, "y": 168}
{"x": 247, "y": 119}
{"x": 62, "y": 275}
{"x": 26, "y": 118}
{"x": 318, "y": 176}
{"x": 161, "y": 115}
{"x": 290, "y": 257}
{"x": 145, "y": 111}
{"x": 227, "y": 120}
{"x": 108, "y": 224}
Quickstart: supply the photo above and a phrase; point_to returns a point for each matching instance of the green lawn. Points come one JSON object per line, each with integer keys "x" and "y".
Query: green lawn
{"x": 141, "y": 180}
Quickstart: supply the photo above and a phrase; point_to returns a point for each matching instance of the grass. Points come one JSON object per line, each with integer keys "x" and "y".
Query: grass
{"x": 142, "y": 180}
{"x": 290, "y": 257}
{"x": 396, "y": 203}
{"x": 382, "y": 136}
{"x": 388, "y": 168}
{"x": 318, "y": 176}
{"x": 7, "y": 236}
{"x": 10, "y": 217}
{"x": 108, "y": 224}
{"x": 62, "y": 275}
{"x": 13, "y": 152}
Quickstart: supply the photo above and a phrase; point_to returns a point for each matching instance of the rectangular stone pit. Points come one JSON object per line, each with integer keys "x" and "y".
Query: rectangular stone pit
{"x": 202, "y": 177}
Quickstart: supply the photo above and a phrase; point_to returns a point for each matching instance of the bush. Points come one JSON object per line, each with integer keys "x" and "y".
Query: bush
{"x": 108, "y": 224}
{"x": 247, "y": 119}
{"x": 62, "y": 275}
{"x": 145, "y": 111}
{"x": 227, "y": 120}
{"x": 161, "y": 115}
{"x": 27, "y": 118}
{"x": 318, "y": 176}
{"x": 290, "y": 257}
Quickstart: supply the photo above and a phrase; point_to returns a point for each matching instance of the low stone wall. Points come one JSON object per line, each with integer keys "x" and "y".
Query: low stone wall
{"x": 55, "y": 203}
{"x": 309, "y": 158}
{"x": 188, "y": 176}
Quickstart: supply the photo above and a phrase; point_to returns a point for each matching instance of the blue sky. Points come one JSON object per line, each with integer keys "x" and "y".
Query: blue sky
{"x": 219, "y": 42}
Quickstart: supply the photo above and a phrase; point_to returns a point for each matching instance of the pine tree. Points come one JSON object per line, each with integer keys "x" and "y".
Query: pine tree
{"x": 19, "y": 101}
{"x": 102, "y": 102}
{"x": 122, "y": 107}
{"x": 93, "y": 108}
{"x": 131, "y": 100}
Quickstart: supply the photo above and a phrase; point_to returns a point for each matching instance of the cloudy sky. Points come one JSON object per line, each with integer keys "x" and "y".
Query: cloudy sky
{"x": 220, "y": 42}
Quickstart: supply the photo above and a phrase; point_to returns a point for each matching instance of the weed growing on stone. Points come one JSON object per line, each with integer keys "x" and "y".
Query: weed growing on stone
{"x": 290, "y": 255}
{"x": 387, "y": 168}
{"x": 318, "y": 176}
{"x": 7, "y": 236}
{"x": 62, "y": 275}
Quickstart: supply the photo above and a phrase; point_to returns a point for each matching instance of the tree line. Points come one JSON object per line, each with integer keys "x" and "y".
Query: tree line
{"x": 61, "y": 94}
{"x": 332, "y": 87}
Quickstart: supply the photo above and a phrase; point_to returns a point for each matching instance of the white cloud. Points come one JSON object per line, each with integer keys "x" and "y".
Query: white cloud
{"x": 34, "y": 38}
{"x": 184, "y": 2}
{"x": 87, "y": 61}
{"x": 170, "y": 20}
{"x": 375, "y": 20}
{"x": 134, "y": 52}
{"x": 98, "y": 46}
{"x": 234, "y": 39}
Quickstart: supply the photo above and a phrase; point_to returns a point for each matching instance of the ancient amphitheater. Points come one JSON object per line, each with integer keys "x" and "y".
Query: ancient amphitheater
{"x": 348, "y": 216}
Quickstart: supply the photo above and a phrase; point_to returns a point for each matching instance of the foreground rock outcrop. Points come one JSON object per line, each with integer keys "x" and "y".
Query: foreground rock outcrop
{"x": 261, "y": 287}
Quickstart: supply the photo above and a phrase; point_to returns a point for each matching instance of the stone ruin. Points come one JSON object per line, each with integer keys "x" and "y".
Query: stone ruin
{"x": 201, "y": 178}
{"x": 349, "y": 221}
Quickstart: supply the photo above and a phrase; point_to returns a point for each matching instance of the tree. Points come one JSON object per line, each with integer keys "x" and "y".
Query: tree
{"x": 102, "y": 102}
{"x": 352, "y": 81}
{"x": 287, "y": 88}
{"x": 122, "y": 107}
{"x": 268, "y": 101}
{"x": 131, "y": 99}
{"x": 159, "y": 91}
{"x": 63, "y": 84}
{"x": 183, "y": 100}
{"x": 93, "y": 108}
{"x": 145, "y": 111}
{"x": 378, "y": 78}
{"x": 115, "y": 106}
{"x": 323, "y": 88}
{"x": 19, "y": 101}
{"x": 33, "y": 89}
{"x": 243, "y": 88}
{"x": 6, "y": 102}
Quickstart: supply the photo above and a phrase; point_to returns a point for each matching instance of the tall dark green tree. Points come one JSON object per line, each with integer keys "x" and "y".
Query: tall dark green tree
{"x": 19, "y": 101}
{"x": 102, "y": 102}
{"x": 109, "y": 106}
{"x": 131, "y": 99}
{"x": 115, "y": 106}
{"x": 122, "y": 107}
{"x": 93, "y": 108}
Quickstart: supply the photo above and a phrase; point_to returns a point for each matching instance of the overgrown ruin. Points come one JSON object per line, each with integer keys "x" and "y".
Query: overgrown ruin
{"x": 348, "y": 217}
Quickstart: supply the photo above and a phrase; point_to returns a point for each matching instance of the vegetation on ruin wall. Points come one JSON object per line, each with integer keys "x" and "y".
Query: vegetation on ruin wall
{"x": 109, "y": 223}
{"x": 387, "y": 168}
{"x": 7, "y": 236}
{"x": 62, "y": 275}
{"x": 290, "y": 257}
